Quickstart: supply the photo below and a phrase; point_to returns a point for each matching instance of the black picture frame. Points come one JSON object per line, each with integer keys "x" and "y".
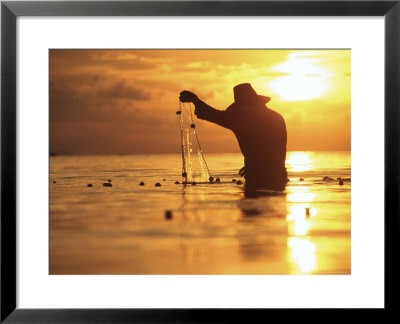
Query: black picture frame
{"x": 10, "y": 10}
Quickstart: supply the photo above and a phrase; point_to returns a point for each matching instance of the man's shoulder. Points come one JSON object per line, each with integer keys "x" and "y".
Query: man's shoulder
{"x": 275, "y": 113}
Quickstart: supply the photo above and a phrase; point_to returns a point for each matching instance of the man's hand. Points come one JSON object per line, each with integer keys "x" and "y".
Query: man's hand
{"x": 187, "y": 96}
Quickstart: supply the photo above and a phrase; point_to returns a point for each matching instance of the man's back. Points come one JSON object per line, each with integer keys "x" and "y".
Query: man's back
{"x": 262, "y": 137}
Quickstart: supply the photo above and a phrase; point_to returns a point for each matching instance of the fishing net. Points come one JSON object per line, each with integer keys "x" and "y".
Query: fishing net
{"x": 194, "y": 165}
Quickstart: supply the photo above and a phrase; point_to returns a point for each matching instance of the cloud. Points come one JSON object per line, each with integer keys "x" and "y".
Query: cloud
{"x": 122, "y": 90}
{"x": 68, "y": 103}
{"x": 110, "y": 61}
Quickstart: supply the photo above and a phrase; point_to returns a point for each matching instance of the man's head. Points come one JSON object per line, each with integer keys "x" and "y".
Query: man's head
{"x": 245, "y": 94}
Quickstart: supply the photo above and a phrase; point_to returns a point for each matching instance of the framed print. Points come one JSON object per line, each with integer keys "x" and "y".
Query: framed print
{"x": 123, "y": 198}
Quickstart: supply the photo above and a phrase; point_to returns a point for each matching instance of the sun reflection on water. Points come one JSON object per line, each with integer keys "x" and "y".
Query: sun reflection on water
{"x": 300, "y": 195}
{"x": 302, "y": 253}
{"x": 298, "y": 218}
{"x": 298, "y": 161}
{"x": 297, "y": 224}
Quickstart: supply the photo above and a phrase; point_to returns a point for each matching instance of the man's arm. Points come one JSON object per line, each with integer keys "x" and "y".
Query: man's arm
{"x": 206, "y": 112}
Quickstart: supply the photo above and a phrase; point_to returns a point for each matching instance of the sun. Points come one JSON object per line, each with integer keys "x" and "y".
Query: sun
{"x": 304, "y": 80}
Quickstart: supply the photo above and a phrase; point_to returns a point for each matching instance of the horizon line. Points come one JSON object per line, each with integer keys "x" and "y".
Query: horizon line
{"x": 178, "y": 153}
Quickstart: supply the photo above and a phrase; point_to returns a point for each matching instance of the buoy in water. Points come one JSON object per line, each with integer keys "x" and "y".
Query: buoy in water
{"x": 90, "y": 185}
{"x": 54, "y": 182}
{"x": 179, "y": 112}
{"x": 158, "y": 184}
{"x": 192, "y": 126}
{"x": 164, "y": 179}
{"x": 238, "y": 182}
{"x": 168, "y": 214}
{"x": 301, "y": 179}
{"x": 109, "y": 180}
{"x": 211, "y": 179}
{"x": 341, "y": 182}
{"x": 217, "y": 180}
{"x": 107, "y": 184}
{"x": 141, "y": 183}
{"x": 308, "y": 211}
{"x": 176, "y": 182}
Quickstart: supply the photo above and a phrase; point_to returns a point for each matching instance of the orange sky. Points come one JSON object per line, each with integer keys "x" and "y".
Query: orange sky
{"x": 124, "y": 101}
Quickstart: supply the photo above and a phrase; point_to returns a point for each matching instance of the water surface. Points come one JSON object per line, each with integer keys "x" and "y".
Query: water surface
{"x": 214, "y": 229}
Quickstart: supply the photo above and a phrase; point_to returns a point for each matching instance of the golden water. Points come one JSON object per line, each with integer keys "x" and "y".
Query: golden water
{"x": 213, "y": 230}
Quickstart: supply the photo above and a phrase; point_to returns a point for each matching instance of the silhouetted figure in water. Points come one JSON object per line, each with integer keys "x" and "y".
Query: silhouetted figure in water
{"x": 260, "y": 131}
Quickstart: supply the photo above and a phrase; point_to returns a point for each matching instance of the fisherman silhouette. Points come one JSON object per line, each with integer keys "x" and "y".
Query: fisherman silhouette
{"x": 260, "y": 131}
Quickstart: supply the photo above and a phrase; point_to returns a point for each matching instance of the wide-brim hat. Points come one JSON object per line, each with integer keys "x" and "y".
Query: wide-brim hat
{"x": 245, "y": 94}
